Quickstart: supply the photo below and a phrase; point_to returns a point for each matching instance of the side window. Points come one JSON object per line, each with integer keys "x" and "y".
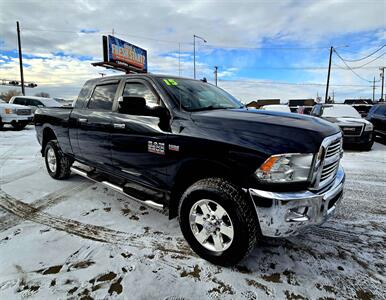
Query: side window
{"x": 317, "y": 110}
{"x": 34, "y": 102}
{"x": 381, "y": 110}
{"x": 20, "y": 101}
{"x": 137, "y": 89}
{"x": 103, "y": 96}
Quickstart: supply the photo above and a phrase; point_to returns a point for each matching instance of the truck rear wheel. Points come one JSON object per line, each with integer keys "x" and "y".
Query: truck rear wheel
{"x": 217, "y": 221}
{"x": 57, "y": 163}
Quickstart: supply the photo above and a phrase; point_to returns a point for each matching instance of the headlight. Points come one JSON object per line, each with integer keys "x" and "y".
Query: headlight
{"x": 9, "y": 111}
{"x": 369, "y": 127}
{"x": 285, "y": 168}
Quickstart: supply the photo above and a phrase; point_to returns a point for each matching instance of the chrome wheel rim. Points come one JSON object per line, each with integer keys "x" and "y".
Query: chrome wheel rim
{"x": 211, "y": 225}
{"x": 51, "y": 160}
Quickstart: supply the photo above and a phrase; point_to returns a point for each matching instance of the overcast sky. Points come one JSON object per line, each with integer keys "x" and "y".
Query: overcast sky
{"x": 259, "y": 46}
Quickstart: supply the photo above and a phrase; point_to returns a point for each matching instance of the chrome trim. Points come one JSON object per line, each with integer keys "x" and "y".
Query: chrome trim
{"x": 290, "y": 212}
{"x": 322, "y": 160}
{"x": 151, "y": 203}
{"x": 349, "y": 135}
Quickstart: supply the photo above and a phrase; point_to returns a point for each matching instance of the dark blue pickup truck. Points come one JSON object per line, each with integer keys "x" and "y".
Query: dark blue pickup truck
{"x": 229, "y": 173}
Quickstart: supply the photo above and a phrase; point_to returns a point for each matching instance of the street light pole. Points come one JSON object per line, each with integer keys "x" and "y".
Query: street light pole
{"x": 20, "y": 58}
{"x": 215, "y": 74}
{"x": 194, "y": 53}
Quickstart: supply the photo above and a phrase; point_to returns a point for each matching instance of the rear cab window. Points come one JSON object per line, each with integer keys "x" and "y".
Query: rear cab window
{"x": 102, "y": 97}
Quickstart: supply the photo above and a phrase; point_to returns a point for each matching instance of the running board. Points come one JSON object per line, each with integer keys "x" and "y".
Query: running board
{"x": 117, "y": 188}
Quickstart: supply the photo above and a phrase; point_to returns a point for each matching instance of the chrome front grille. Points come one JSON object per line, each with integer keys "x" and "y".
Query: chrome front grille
{"x": 349, "y": 130}
{"x": 23, "y": 112}
{"x": 327, "y": 163}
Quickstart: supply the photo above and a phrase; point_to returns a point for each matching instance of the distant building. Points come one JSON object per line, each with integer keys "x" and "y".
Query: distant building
{"x": 260, "y": 102}
{"x": 295, "y": 103}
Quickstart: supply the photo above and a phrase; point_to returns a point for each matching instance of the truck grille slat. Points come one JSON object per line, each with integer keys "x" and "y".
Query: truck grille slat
{"x": 330, "y": 162}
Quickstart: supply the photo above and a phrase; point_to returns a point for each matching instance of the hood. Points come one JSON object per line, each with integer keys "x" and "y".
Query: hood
{"x": 347, "y": 121}
{"x": 266, "y": 131}
{"x": 10, "y": 105}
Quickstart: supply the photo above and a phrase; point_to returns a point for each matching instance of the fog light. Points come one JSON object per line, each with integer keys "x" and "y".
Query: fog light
{"x": 297, "y": 214}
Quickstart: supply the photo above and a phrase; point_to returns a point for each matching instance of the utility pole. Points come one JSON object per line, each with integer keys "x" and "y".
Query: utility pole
{"x": 383, "y": 82}
{"x": 374, "y": 89}
{"x": 215, "y": 74}
{"x": 20, "y": 58}
{"x": 328, "y": 75}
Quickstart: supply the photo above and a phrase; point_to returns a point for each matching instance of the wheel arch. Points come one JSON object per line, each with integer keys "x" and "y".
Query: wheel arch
{"x": 48, "y": 135}
{"x": 189, "y": 173}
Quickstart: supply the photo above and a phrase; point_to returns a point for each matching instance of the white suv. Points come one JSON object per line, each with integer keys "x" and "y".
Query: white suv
{"x": 16, "y": 115}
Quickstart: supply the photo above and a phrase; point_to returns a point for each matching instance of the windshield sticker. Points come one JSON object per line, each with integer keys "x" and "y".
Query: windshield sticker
{"x": 170, "y": 82}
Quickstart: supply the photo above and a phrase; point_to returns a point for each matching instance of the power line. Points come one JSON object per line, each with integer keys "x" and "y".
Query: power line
{"x": 292, "y": 83}
{"x": 359, "y": 59}
{"x": 355, "y": 73}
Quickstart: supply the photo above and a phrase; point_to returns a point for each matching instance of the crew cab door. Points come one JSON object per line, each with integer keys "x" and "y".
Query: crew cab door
{"x": 93, "y": 123}
{"x": 138, "y": 142}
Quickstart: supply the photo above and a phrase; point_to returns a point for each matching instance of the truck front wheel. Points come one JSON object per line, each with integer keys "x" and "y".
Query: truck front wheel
{"x": 217, "y": 221}
{"x": 19, "y": 125}
{"x": 57, "y": 163}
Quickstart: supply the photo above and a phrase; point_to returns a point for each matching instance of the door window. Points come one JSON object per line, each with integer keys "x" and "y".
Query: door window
{"x": 20, "y": 101}
{"x": 103, "y": 96}
{"x": 137, "y": 89}
{"x": 34, "y": 102}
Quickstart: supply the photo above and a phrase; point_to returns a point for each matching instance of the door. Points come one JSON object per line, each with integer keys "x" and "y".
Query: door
{"x": 93, "y": 124}
{"x": 138, "y": 142}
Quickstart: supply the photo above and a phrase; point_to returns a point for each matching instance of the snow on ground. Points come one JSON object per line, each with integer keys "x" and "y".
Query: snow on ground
{"x": 75, "y": 238}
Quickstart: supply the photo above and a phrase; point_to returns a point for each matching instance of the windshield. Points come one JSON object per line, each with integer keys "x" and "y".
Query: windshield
{"x": 340, "y": 111}
{"x": 196, "y": 95}
{"x": 51, "y": 103}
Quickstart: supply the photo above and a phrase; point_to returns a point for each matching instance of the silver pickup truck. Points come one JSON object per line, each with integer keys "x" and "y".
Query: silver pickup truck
{"x": 16, "y": 115}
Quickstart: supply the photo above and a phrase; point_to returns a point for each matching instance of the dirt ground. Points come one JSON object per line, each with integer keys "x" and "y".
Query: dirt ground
{"x": 78, "y": 239}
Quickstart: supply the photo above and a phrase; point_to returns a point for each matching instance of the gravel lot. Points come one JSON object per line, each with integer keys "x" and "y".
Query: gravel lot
{"x": 75, "y": 238}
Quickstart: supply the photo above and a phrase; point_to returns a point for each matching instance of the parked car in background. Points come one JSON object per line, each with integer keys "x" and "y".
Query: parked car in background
{"x": 276, "y": 107}
{"x": 16, "y": 115}
{"x": 361, "y": 105}
{"x": 355, "y": 130}
{"x": 34, "y": 102}
{"x": 305, "y": 110}
{"x": 377, "y": 116}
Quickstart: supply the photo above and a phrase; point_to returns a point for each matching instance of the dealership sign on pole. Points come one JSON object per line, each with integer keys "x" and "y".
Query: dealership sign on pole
{"x": 121, "y": 55}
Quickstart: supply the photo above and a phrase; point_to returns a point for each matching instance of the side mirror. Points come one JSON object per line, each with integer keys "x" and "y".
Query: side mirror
{"x": 132, "y": 105}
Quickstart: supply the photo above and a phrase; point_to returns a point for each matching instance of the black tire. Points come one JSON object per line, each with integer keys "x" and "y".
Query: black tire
{"x": 1, "y": 125}
{"x": 19, "y": 125}
{"x": 63, "y": 162}
{"x": 240, "y": 211}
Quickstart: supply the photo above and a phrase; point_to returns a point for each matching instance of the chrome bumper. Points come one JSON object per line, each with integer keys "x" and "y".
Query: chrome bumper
{"x": 287, "y": 213}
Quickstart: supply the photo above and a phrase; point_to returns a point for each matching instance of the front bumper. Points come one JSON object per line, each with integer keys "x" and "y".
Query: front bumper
{"x": 287, "y": 213}
{"x": 364, "y": 138}
{"x": 15, "y": 118}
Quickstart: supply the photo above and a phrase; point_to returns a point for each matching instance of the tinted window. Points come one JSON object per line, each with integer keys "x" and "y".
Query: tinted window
{"x": 136, "y": 89}
{"x": 381, "y": 110}
{"x": 196, "y": 95}
{"x": 373, "y": 109}
{"x": 103, "y": 97}
{"x": 34, "y": 102}
{"x": 20, "y": 101}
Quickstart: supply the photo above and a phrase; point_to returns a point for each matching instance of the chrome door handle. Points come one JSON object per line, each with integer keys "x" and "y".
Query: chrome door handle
{"x": 82, "y": 120}
{"x": 119, "y": 126}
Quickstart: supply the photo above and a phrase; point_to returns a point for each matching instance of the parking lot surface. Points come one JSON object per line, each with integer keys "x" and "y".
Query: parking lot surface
{"x": 76, "y": 238}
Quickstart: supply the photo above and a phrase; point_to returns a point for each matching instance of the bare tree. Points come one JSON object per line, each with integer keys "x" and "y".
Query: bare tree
{"x": 6, "y": 96}
{"x": 43, "y": 94}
